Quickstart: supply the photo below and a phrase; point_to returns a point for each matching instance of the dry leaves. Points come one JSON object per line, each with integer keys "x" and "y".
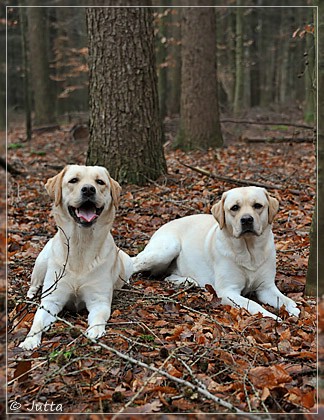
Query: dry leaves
{"x": 250, "y": 362}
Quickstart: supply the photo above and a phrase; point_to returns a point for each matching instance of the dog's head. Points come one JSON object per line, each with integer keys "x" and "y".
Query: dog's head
{"x": 245, "y": 211}
{"x": 84, "y": 193}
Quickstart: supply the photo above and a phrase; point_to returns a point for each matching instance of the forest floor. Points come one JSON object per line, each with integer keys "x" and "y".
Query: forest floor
{"x": 167, "y": 350}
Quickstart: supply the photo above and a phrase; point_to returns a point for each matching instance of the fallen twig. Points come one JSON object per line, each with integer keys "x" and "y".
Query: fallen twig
{"x": 237, "y": 181}
{"x": 142, "y": 388}
{"x": 230, "y": 180}
{"x": 46, "y": 129}
{"x": 201, "y": 390}
{"x": 287, "y": 124}
{"x": 278, "y": 140}
{"x": 8, "y": 167}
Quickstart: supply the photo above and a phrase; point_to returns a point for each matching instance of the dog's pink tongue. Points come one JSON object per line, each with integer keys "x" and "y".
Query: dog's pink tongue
{"x": 86, "y": 214}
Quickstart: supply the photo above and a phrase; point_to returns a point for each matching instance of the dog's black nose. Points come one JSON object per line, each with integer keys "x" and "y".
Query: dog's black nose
{"x": 247, "y": 220}
{"x": 88, "y": 190}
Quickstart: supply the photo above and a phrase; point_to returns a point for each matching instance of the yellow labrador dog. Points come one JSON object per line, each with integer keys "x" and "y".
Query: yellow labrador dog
{"x": 232, "y": 249}
{"x": 81, "y": 263}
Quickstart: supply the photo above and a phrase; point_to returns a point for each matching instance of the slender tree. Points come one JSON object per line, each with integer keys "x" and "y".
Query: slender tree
{"x": 161, "y": 59}
{"x": 255, "y": 57}
{"x": 200, "y": 127}
{"x": 24, "y": 47}
{"x": 125, "y": 128}
{"x": 239, "y": 64}
{"x": 174, "y": 70}
{"x": 69, "y": 40}
{"x": 2, "y": 72}
{"x": 309, "y": 113}
{"x": 315, "y": 271}
{"x": 39, "y": 63}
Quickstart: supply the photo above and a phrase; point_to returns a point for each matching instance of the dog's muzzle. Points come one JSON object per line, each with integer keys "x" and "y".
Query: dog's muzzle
{"x": 88, "y": 212}
{"x": 88, "y": 190}
{"x": 247, "y": 224}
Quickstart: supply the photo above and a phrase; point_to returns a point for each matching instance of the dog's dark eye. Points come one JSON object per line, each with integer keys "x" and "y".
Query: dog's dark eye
{"x": 235, "y": 207}
{"x": 73, "y": 181}
{"x": 258, "y": 206}
{"x": 100, "y": 182}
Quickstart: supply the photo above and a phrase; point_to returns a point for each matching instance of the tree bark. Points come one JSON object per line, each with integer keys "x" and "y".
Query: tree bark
{"x": 125, "y": 128}
{"x": 199, "y": 126}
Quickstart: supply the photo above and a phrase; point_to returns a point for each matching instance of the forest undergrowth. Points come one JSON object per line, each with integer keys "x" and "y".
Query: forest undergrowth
{"x": 167, "y": 350}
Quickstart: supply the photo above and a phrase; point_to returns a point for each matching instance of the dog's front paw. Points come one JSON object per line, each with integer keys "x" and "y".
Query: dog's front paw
{"x": 273, "y": 316}
{"x": 293, "y": 310}
{"x": 96, "y": 331}
{"x": 32, "y": 292}
{"x": 30, "y": 343}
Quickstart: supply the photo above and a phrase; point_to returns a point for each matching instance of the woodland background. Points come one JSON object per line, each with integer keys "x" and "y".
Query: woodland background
{"x": 266, "y": 97}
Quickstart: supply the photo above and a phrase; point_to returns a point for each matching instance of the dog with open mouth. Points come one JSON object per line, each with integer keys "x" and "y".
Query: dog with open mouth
{"x": 232, "y": 249}
{"x": 80, "y": 265}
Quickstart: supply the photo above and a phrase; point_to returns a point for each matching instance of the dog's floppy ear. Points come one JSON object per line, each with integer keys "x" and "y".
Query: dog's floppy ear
{"x": 54, "y": 187}
{"x": 115, "y": 191}
{"x": 273, "y": 207}
{"x": 218, "y": 212}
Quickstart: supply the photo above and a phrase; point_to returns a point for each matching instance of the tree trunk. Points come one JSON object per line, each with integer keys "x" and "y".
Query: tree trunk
{"x": 315, "y": 272}
{"x": 310, "y": 101}
{"x": 256, "y": 31}
{"x": 38, "y": 58}
{"x": 174, "y": 71}
{"x": 125, "y": 128}
{"x": 239, "y": 65}
{"x": 200, "y": 127}
{"x": 161, "y": 59}
{"x": 70, "y": 38}
{"x": 268, "y": 57}
{"x": 24, "y": 47}
{"x": 3, "y": 104}
{"x": 282, "y": 94}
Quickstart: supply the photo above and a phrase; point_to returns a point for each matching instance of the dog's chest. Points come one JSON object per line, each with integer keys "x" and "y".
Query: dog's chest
{"x": 251, "y": 283}
{"x": 75, "y": 302}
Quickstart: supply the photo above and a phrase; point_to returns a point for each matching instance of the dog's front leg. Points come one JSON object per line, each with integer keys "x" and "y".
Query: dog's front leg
{"x": 272, "y": 296}
{"x": 99, "y": 308}
{"x": 234, "y": 298}
{"x": 39, "y": 271}
{"x": 44, "y": 317}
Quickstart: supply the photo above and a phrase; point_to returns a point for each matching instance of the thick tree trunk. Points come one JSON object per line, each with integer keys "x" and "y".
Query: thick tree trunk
{"x": 39, "y": 63}
{"x": 200, "y": 127}
{"x": 125, "y": 128}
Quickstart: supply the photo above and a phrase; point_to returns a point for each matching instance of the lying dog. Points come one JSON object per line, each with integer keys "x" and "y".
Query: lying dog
{"x": 83, "y": 251}
{"x": 236, "y": 255}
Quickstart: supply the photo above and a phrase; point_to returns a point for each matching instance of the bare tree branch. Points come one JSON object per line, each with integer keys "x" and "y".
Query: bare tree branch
{"x": 237, "y": 181}
{"x": 284, "y": 123}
